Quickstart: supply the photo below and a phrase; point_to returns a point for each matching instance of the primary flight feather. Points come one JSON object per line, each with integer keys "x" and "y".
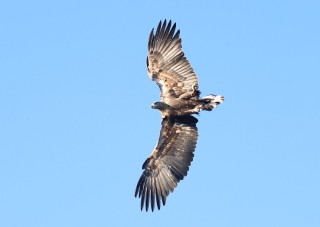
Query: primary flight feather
{"x": 180, "y": 98}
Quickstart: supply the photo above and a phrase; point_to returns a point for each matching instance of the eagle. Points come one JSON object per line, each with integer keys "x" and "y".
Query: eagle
{"x": 180, "y": 98}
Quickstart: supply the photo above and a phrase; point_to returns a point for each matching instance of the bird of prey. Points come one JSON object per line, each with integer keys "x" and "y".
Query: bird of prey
{"x": 180, "y": 98}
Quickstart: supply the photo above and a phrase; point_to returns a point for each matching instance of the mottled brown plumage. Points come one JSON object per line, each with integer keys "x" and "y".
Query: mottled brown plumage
{"x": 180, "y": 98}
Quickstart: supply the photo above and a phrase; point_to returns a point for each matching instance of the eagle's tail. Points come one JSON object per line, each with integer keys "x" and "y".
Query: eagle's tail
{"x": 211, "y": 101}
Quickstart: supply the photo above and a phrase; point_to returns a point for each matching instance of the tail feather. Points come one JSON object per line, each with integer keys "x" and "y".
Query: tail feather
{"x": 211, "y": 101}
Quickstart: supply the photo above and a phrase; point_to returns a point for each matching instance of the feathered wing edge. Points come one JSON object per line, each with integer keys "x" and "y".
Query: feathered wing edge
{"x": 165, "y": 38}
{"x": 167, "y": 64}
{"x": 169, "y": 162}
{"x": 164, "y": 47}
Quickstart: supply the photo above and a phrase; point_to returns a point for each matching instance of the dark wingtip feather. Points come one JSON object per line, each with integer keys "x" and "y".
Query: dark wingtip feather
{"x": 153, "y": 193}
{"x": 137, "y": 188}
{"x": 176, "y": 36}
{"x": 151, "y": 39}
{"x": 142, "y": 199}
{"x": 147, "y": 199}
{"x": 152, "y": 200}
{"x": 158, "y": 193}
{"x": 164, "y": 200}
{"x": 159, "y": 27}
{"x": 164, "y": 24}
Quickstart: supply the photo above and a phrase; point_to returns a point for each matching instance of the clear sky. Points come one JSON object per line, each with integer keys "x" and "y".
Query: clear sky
{"x": 76, "y": 123}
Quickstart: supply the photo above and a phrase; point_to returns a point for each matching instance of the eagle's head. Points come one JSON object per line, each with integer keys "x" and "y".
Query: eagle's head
{"x": 159, "y": 106}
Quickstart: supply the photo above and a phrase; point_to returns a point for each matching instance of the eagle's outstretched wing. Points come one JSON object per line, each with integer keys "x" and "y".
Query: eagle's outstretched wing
{"x": 169, "y": 161}
{"x": 168, "y": 66}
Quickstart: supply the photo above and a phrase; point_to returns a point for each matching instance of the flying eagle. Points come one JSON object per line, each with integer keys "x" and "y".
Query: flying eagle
{"x": 180, "y": 98}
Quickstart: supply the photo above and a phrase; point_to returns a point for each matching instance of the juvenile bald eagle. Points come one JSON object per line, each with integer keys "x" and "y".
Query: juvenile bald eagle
{"x": 180, "y": 98}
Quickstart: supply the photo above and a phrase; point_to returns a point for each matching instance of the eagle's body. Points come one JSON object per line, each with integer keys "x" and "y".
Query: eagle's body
{"x": 180, "y": 98}
{"x": 179, "y": 107}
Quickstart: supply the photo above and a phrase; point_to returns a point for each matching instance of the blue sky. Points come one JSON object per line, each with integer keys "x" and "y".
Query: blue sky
{"x": 76, "y": 123}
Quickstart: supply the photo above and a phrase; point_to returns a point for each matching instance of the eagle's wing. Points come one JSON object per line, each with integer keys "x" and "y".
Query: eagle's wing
{"x": 169, "y": 161}
{"x": 168, "y": 66}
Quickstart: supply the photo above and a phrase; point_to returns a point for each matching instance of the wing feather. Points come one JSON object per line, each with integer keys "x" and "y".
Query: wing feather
{"x": 148, "y": 189}
{"x": 158, "y": 193}
{"x": 168, "y": 66}
{"x": 169, "y": 162}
